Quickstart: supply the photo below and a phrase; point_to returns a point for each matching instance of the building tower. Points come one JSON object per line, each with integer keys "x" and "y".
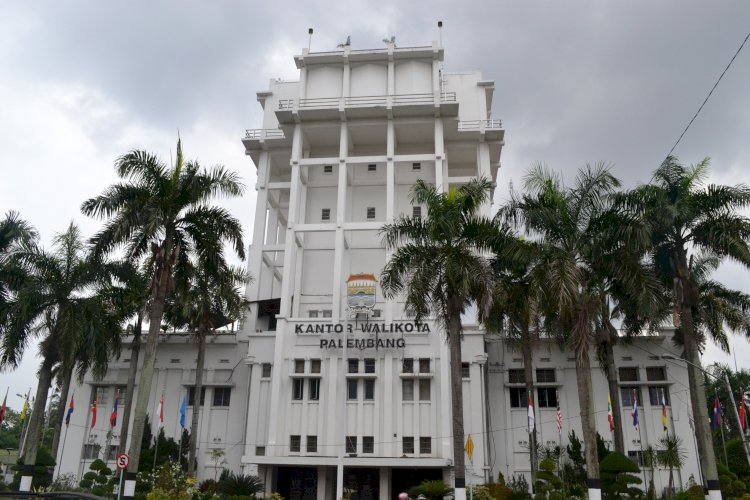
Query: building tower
{"x": 346, "y": 391}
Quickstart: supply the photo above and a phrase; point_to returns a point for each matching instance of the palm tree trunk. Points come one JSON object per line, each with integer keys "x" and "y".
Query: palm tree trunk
{"x": 64, "y": 390}
{"x": 457, "y": 399}
{"x": 614, "y": 391}
{"x": 135, "y": 349}
{"x": 528, "y": 372}
{"x": 198, "y": 387}
{"x": 670, "y": 488}
{"x": 686, "y": 298}
{"x": 158, "y": 295}
{"x": 588, "y": 424}
{"x": 36, "y": 421}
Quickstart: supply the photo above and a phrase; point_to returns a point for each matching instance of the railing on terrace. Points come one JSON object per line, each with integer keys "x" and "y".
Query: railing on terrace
{"x": 492, "y": 124}
{"x": 365, "y": 101}
{"x": 264, "y": 133}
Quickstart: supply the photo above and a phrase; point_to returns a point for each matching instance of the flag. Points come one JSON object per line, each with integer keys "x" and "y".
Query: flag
{"x": 610, "y": 418}
{"x": 113, "y": 416}
{"x": 93, "y": 409}
{"x": 70, "y": 411}
{"x": 161, "y": 411}
{"x": 183, "y": 410}
{"x": 663, "y": 412}
{"x": 743, "y": 416}
{"x": 559, "y": 421}
{"x": 635, "y": 409}
{"x": 24, "y": 410}
{"x": 717, "y": 413}
{"x": 531, "y": 415}
{"x": 2, "y": 408}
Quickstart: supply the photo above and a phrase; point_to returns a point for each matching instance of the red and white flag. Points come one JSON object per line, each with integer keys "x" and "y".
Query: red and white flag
{"x": 531, "y": 415}
{"x": 559, "y": 421}
{"x": 161, "y": 411}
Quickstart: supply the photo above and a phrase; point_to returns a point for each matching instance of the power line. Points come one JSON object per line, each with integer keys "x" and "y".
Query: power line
{"x": 709, "y": 95}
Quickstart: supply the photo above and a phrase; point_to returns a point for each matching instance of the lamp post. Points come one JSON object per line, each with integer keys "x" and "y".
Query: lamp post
{"x": 724, "y": 380}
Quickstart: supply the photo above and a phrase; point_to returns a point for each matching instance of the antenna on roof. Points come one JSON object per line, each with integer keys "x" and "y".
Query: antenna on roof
{"x": 309, "y": 39}
{"x": 440, "y": 31}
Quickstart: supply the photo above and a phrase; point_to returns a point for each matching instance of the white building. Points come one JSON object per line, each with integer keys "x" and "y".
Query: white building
{"x": 317, "y": 392}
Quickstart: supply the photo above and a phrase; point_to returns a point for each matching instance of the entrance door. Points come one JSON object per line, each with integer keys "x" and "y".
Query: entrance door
{"x": 364, "y": 483}
{"x": 297, "y": 483}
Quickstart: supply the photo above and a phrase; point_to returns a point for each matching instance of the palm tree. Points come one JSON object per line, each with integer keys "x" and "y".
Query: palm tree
{"x": 58, "y": 300}
{"x": 14, "y": 232}
{"x": 164, "y": 213}
{"x": 439, "y": 264}
{"x": 516, "y": 312}
{"x": 581, "y": 269}
{"x": 205, "y": 300}
{"x": 684, "y": 215}
{"x": 672, "y": 457}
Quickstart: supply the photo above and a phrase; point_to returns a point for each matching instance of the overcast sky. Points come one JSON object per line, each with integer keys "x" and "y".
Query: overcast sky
{"x": 82, "y": 82}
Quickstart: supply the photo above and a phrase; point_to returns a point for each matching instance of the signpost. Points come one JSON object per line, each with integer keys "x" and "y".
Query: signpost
{"x": 123, "y": 461}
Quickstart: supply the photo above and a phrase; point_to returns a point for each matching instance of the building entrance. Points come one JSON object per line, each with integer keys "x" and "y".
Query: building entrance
{"x": 402, "y": 480}
{"x": 363, "y": 482}
{"x": 297, "y": 483}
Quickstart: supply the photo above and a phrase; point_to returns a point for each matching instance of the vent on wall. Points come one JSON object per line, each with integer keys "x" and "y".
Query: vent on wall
{"x": 544, "y": 360}
{"x": 416, "y": 166}
{"x": 627, "y": 358}
{"x": 372, "y": 167}
{"x": 327, "y": 169}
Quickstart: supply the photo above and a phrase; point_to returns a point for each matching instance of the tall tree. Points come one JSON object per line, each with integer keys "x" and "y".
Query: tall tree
{"x": 163, "y": 213}
{"x": 58, "y": 300}
{"x": 439, "y": 264}
{"x": 685, "y": 214}
{"x": 582, "y": 238}
{"x": 204, "y": 301}
{"x": 14, "y": 232}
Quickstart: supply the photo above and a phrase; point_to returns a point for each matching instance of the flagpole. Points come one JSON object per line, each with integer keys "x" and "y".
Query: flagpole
{"x": 737, "y": 416}
{"x": 26, "y": 422}
{"x": 717, "y": 411}
{"x": 62, "y": 452}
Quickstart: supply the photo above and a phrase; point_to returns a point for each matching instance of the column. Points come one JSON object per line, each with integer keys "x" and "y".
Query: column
{"x": 338, "y": 252}
{"x": 390, "y": 194}
{"x": 440, "y": 181}
{"x": 483, "y": 170}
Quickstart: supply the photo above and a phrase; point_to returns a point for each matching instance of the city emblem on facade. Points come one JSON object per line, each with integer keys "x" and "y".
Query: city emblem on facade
{"x": 360, "y": 293}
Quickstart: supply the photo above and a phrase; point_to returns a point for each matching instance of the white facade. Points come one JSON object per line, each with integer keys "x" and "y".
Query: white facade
{"x": 316, "y": 390}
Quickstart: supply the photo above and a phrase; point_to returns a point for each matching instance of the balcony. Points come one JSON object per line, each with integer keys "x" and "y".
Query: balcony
{"x": 492, "y": 129}
{"x": 258, "y": 138}
{"x": 326, "y": 108}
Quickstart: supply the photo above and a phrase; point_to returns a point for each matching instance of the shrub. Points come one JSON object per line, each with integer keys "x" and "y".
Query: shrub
{"x": 231, "y": 484}
{"x": 618, "y": 473}
{"x": 432, "y": 490}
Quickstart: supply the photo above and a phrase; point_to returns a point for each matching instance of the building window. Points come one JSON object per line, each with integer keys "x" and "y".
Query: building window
{"x": 312, "y": 444}
{"x": 370, "y": 213}
{"x": 368, "y": 444}
{"x": 327, "y": 313}
{"x": 351, "y": 389}
{"x": 101, "y": 392}
{"x": 174, "y": 360}
{"x": 372, "y": 167}
{"x": 425, "y": 445}
{"x": 407, "y": 390}
{"x": 369, "y": 390}
{"x": 265, "y": 370}
{"x": 260, "y": 451}
{"x": 312, "y": 314}
{"x": 351, "y": 444}
{"x": 637, "y": 457}
{"x": 327, "y": 169}
{"x": 314, "y": 389}
{"x": 546, "y": 397}
{"x": 298, "y": 389}
{"x": 295, "y": 443}
{"x": 325, "y": 214}
{"x": 416, "y": 212}
{"x": 353, "y": 365}
{"x": 516, "y": 376}
{"x": 416, "y": 166}
{"x": 545, "y": 376}
{"x": 376, "y": 313}
{"x": 191, "y": 396}
{"x": 91, "y": 451}
{"x": 424, "y": 389}
{"x": 408, "y": 444}
{"x": 111, "y": 452}
{"x": 407, "y": 366}
{"x": 518, "y": 397}
{"x": 628, "y": 393}
{"x": 657, "y": 393}
{"x": 465, "y": 370}
{"x": 424, "y": 365}
{"x": 369, "y": 365}
{"x": 299, "y": 366}
{"x": 629, "y": 374}
{"x": 656, "y": 373}
{"x": 222, "y": 396}
{"x": 314, "y": 366}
